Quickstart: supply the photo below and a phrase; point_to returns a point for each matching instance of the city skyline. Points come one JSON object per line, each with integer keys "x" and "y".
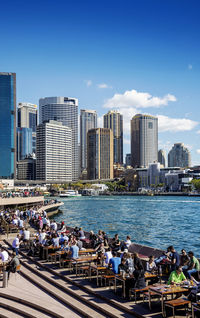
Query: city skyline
{"x": 140, "y": 57}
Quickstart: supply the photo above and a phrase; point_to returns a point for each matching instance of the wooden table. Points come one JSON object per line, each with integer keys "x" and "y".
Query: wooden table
{"x": 122, "y": 280}
{"x": 83, "y": 259}
{"x": 195, "y": 306}
{"x": 163, "y": 290}
{"x": 46, "y": 250}
{"x": 97, "y": 269}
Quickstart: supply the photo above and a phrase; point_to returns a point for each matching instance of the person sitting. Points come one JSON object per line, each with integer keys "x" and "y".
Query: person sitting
{"x": 176, "y": 277}
{"x": 81, "y": 234}
{"x": 128, "y": 241}
{"x": 64, "y": 246}
{"x": 130, "y": 263}
{"x": 151, "y": 265}
{"x": 184, "y": 260}
{"x": 114, "y": 263}
{"x": 55, "y": 240}
{"x": 108, "y": 255}
{"x": 74, "y": 250}
{"x": 115, "y": 244}
{"x": 193, "y": 265}
{"x": 175, "y": 259}
{"x": 4, "y": 255}
{"x": 123, "y": 266}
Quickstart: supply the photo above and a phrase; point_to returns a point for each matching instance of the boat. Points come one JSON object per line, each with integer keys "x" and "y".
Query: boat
{"x": 69, "y": 194}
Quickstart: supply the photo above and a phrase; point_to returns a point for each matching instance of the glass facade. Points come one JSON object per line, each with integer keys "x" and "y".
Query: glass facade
{"x": 7, "y": 124}
{"x": 24, "y": 143}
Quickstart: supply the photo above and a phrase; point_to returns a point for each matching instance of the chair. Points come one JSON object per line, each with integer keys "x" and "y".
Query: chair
{"x": 18, "y": 269}
{"x": 175, "y": 303}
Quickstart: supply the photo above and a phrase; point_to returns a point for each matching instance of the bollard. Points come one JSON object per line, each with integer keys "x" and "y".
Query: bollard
{"x": 5, "y": 279}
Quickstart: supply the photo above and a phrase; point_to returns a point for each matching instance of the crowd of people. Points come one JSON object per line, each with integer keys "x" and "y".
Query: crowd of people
{"x": 111, "y": 253}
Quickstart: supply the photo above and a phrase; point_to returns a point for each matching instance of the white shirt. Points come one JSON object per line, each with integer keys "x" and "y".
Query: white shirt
{"x": 128, "y": 243}
{"x": 15, "y": 222}
{"x": 4, "y": 256}
{"x": 42, "y": 237}
{"x": 21, "y": 223}
{"x": 54, "y": 226}
{"x": 108, "y": 256}
{"x": 26, "y": 235}
{"x": 15, "y": 243}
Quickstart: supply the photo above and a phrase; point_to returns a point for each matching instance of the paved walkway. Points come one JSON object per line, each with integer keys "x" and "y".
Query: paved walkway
{"x": 20, "y": 287}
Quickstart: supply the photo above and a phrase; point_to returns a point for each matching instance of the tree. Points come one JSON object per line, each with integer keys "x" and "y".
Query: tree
{"x": 196, "y": 184}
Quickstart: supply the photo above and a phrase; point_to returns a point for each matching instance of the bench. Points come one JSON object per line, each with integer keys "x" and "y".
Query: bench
{"x": 175, "y": 303}
{"x": 109, "y": 278}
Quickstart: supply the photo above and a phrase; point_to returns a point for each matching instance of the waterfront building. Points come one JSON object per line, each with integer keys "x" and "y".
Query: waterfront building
{"x": 144, "y": 140}
{"x": 88, "y": 120}
{"x": 27, "y": 117}
{"x": 24, "y": 143}
{"x": 54, "y": 152}
{"x": 100, "y": 153}
{"x": 114, "y": 121}
{"x": 128, "y": 159}
{"x": 154, "y": 174}
{"x": 26, "y": 169}
{"x": 162, "y": 158}
{"x": 179, "y": 156}
{"x": 64, "y": 110}
{"x": 7, "y": 124}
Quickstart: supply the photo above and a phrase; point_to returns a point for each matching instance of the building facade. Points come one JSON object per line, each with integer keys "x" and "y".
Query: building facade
{"x": 88, "y": 120}
{"x": 128, "y": 159}
{"x": 27, "y": 117}
{"x": 26, "y": 169}
{"x": 64, "y": 110}
{"x": 54, "y": 152}
{"x": 7, "y": 125}
{"x": 24, "y": 144}
{"x": 114, "y": 121}
{"x": 144, "y": 140}
{"x": 100, "y": 153}
{"x": 162, "y": 158}
{"x": 179, "y": 156}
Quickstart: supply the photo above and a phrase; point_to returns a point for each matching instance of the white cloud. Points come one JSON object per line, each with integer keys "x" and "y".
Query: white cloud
{"x": 100, "y": 122}
{"x": 88, "y": 83}
{"x": 166, "y": 123}
{"x": 190, "y": 67}
{"x": 138, "y": 100}
{"x": 103, "y": 85}
{"x": 198, "y": 131}
{"x": 198, "y": 151}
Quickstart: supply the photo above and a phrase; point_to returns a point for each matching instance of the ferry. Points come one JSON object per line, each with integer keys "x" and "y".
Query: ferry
{"x": 69, "y": 194}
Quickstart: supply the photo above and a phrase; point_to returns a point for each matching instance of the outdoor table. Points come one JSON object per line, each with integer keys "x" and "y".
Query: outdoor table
{"x": 46, "y": 250}
{"x": 83, "y": 259}
{"x": 96, "y": 269}
{"x": 163, "y": 290}
{"x": 87, "y": 251}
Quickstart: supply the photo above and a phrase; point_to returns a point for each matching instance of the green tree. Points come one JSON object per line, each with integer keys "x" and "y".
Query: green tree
{"x": 196, "y": 184}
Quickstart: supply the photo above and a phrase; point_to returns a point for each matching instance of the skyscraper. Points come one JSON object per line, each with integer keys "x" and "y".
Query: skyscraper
{"x": 179, "y": 156}
{"x": 27, "y": 117}
{"x": 100, "y": 153}
{"x": 162, "y": 157}
{"x": 7, "y": 125}
{"x": 114, "y": 121}
{"x": 54, "y": 152}
{"x": 64, "y": 110}
{"x": 24, "y": 143}
{"x": 144, "y": 140}
{"x": 88, "y": 120}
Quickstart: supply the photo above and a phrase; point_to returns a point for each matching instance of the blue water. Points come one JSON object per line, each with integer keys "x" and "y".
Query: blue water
{"x": 153, "y": 221}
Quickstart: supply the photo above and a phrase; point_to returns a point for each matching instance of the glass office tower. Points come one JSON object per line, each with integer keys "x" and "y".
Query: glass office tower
{"x": 24, "y": 143}
{"x": 88, "y": 120}
{"x": 7, "y": 124}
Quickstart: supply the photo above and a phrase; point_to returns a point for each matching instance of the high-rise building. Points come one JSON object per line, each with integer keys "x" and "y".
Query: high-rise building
{"x": 24, "y": 143}
{"x": 128, "y": 159}
{"x": 162, "y": 157}
{"x": 179, "y": 156}
{"x": 54, "y": 152}
{"x": 64, "y": 110}
{"x": 100, "y": 153}
{"x": 26, "y": 169}
{"x": 88, "y": 120}
{"x": 144, "y": 140}
{"x": 27, "y": 117}
{"x": 114, "y": 121}
{"x": 7, "y": 125}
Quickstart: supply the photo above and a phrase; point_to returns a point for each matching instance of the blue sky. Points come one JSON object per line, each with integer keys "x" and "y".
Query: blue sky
{"x": 134, "y": 56}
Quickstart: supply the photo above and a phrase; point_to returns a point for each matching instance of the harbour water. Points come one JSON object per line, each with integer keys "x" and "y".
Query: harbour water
{"x": 156, "y": 221}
